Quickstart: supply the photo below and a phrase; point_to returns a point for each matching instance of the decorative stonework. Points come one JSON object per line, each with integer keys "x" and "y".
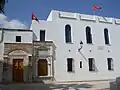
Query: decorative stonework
{"x": 30, "y": 53}
{"x": 17, "y": 51}
{"x": 9, "y": 47}
{"x": 44, "y": 49}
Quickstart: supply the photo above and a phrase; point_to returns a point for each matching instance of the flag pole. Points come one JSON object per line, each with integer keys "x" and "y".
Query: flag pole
{"x": 95, "y": 8}
{"x": 93, "y": 12}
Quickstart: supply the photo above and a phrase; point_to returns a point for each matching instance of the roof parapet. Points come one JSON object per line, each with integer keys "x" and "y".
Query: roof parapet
{"x": 84, "y": 17}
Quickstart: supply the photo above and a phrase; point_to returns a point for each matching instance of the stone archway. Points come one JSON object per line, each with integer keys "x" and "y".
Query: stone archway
{"x": 17, "y": 56}
{"x": 42, "y": 67}
{"x": 17, "y": 60}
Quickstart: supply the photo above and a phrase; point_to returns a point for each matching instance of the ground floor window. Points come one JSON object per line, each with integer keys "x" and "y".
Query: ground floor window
{"x": 110, "y": 63}
{"x": 80, "y": 64}
{"x": 70, "y": 65}
{"x": 91, "y": 63}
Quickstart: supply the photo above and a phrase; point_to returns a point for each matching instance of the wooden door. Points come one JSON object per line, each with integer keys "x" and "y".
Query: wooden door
{"x": 42, "y": 67}
{"x": 17, "y": 70}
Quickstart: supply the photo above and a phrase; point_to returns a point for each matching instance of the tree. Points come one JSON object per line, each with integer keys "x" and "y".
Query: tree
{"x": 2, "y": 5}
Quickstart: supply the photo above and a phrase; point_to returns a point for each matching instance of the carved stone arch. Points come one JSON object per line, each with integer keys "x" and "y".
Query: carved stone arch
{"x": 42, "y": 47}
{"x": 17, "y": 52}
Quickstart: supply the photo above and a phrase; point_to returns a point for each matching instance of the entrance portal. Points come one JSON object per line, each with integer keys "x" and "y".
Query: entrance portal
{"x": 42, "y": 67}
{"x": 17, "y": 70}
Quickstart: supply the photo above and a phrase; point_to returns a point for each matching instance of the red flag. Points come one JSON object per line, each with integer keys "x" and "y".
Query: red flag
{"x": 96, "y": 7}
{"x": 34, "y": 17}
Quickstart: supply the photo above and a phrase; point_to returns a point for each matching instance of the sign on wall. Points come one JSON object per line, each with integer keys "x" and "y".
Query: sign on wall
{"x": 100, "y": 47}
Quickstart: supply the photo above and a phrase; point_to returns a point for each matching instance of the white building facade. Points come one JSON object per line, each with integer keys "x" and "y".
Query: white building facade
{"x": 87, "y": 46}
{"x": 66, "y": 47}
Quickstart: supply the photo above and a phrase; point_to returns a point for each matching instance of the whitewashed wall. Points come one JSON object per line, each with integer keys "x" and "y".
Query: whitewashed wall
{"x": 10, "y": 37}
{"x": 55, "y": 31}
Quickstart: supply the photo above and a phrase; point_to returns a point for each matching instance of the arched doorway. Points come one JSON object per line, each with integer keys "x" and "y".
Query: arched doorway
{"x": 17, "y": 58}
{"x": 42, "y": 67}
{"x": 17, "y": 70}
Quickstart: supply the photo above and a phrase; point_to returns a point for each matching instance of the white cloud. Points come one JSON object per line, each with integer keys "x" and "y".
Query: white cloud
{"x": 12, "y": 24}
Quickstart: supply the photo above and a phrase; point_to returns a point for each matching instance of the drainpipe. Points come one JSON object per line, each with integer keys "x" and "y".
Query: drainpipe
{"x": 79, "y": 50}
{"x": 2, "y": 36}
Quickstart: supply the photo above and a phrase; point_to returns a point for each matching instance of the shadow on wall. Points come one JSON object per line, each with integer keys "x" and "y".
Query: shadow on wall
{"x": 70, "y": 86}
{"x": 96, "y": 70}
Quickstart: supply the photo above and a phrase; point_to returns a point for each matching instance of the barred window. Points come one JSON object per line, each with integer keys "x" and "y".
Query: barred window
{"x": 91, "y": 64}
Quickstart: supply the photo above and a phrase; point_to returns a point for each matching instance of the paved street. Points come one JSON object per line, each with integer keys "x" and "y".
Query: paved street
{"x": 58, "y": 86}
{"x": 33, "y": 86}
{"x": 81, "y": 86}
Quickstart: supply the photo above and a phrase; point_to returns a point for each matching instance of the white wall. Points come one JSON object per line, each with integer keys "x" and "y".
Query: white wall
{"x": 10, "y": 36}
{"x": 55, "y": 31}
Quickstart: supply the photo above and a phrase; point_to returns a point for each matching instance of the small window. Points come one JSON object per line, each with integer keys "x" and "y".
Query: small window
{"x": 106, "y": 36}
{"x": 91, "y": 64}
{"x": 70, "y": 64}
{"x": 110, "y": 63}
{"x": 18, "y": 38}
{"x": 42, "y": 35}
{"x": 80, "y": 64}
{"x": 68, "y": 34}
{"x": 88, "y": 35}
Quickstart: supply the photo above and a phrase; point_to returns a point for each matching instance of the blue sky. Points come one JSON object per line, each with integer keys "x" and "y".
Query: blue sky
{"x": 22, "y": 9}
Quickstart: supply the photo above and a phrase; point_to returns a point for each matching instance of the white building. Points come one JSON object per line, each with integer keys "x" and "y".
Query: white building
{"x": 100, "y": 47}
{"x": 66, "y": 47}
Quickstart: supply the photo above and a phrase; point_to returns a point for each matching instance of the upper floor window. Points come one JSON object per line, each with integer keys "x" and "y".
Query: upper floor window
{"x": 18, "y": 38}
{"x": 88, "y": 35}
{"x": 68, "y": 34}
{"x": 42, "y": 35}
{"x": 106, "y": 36}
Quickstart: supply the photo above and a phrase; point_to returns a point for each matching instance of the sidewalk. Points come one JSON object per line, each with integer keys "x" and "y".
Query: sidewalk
{"x": 98, "y": 85}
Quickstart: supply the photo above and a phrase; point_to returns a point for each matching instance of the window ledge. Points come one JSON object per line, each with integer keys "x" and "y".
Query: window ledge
{"x": 71, "y": 71}
{"x": 110, "y": 70}
{"x": 69, "y": 43}
{"x": 18, "y": 42}
{"x": 90, "y": 44}
{"x": 92, "y": 71}
{"x": 108, "y": 44}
